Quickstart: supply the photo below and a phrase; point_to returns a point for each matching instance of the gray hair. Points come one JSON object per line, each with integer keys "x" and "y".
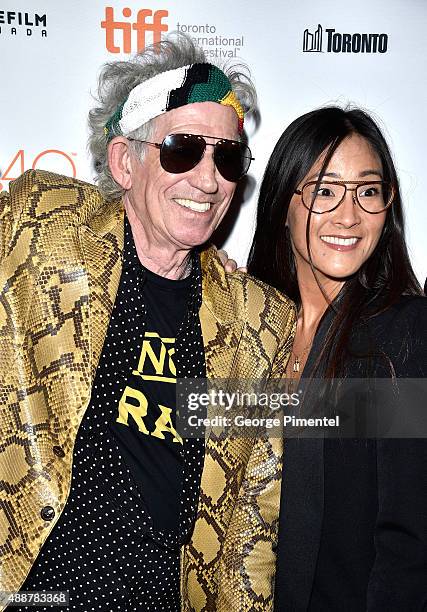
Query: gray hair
{"x": 116, "y": 81}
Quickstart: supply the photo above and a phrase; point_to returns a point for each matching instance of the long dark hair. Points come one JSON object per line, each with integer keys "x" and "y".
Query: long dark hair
{"x": 383, "y": 278}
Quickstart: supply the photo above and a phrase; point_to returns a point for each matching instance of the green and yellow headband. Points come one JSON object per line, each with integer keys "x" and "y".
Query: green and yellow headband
{"x": 172, "y": 89}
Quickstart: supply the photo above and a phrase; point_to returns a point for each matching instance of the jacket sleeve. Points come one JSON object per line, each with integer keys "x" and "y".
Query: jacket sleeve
{"x": 398, "y": 579}
{"x": 247, "y": 567}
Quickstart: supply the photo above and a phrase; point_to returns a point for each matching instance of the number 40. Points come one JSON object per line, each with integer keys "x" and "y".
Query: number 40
{"x": 19, "y": 160}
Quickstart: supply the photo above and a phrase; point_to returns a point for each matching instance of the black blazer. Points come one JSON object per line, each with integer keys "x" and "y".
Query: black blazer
{"x": 353, "y": 520}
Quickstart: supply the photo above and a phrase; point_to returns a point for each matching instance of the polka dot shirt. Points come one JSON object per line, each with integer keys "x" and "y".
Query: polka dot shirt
{"x": 104, "y": 549}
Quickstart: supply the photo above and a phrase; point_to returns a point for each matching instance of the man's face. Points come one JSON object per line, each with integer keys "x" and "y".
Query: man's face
{"x": 183, "y": 209}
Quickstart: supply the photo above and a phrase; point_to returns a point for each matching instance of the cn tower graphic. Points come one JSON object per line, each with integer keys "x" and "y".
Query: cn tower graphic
{"x": 313, "y": 42}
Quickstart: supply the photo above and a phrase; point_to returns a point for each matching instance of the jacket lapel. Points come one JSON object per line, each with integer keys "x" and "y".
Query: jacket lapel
{"x": 302, "y": 507}
{"x": 300, "y": 523}
{"x": 221, "y": 328}
{"x": 102, "y": 248}
{"x": 225, "y": 457}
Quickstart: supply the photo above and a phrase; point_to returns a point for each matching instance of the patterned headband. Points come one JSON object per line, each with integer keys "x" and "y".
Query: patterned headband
{"x": 172, "y": 89}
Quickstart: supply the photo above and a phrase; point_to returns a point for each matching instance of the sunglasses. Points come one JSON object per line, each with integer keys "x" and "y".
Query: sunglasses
{"x": 182, "y": 152}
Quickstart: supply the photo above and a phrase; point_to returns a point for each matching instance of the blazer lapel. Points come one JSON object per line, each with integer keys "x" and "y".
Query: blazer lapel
{"x": 222, "y": 330}
{"x": 225, "y": 457}
{"x": 102, "y": 248}
{"x": 302, "y": 507}
{"x": 300, "y": 523}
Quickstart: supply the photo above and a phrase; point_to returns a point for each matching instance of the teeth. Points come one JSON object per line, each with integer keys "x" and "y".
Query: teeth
{"x": 341, "y": 241}
{"x": 197, "y": 206}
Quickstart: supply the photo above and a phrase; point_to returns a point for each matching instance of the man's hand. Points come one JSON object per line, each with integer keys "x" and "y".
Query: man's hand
{"x": 229, "y": 264}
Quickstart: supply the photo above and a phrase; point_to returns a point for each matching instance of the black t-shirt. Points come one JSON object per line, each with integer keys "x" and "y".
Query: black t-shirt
{"x": 144, "y": 426}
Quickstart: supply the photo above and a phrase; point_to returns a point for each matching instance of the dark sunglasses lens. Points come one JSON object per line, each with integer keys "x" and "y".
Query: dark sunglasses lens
{"x": 232, "y": 158}
{"x": 181, "y": 152}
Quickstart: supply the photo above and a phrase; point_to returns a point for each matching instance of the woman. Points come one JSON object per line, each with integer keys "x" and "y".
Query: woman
{"x": 353, "y": 524}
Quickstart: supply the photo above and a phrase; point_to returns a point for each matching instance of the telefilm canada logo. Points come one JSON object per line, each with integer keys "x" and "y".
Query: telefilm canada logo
{"x": 331, "y": 41}
{"x": 128, "y": 33}
{"x": 19, "y": 24}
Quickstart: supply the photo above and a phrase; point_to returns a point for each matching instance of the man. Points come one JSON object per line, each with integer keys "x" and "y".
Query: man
{"x": 106, "y": 301}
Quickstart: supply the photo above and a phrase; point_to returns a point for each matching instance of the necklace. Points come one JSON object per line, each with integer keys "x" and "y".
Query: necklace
{"x": 296, "y": 366}
{"x": 297, "y": 361}
{"x": 188, "y": 268}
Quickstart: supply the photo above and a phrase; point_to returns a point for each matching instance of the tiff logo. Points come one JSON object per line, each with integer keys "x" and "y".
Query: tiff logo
{"x": 140, "y": 26}
{"x": 312, "y": 42}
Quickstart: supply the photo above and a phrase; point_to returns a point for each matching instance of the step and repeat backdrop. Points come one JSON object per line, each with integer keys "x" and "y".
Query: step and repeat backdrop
{"x": 302, "y": 55}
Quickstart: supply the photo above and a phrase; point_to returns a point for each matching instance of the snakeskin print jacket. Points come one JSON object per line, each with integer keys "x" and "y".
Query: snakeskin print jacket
{"x": 60, "y": 249}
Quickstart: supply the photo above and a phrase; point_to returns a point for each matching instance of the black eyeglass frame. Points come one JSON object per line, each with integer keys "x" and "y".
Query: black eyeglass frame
{"x": 354, "y": 189}
{"x": 160, "y": 145}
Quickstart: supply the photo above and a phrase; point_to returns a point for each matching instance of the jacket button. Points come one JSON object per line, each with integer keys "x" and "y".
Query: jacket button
{"x": 59, "y": 452}
{"x": 47, "y": 513}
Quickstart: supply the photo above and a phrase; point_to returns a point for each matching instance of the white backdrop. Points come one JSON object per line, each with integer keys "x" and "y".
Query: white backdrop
{"x": 51, "y": 52}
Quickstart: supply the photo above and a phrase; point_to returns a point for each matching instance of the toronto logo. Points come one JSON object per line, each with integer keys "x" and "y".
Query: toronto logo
{"x": 337, "y": 42}
{"x": 312, "y": 42}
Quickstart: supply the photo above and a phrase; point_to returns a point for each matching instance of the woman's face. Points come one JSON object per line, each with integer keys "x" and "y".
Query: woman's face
{"x": 341, "y": 240}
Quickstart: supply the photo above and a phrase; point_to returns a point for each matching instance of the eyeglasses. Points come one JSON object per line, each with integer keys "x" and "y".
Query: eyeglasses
{"x": 182, "y": 152}
{"x": 372, "y": 196}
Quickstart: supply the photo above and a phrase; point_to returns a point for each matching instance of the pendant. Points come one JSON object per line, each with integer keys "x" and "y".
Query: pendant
{"x": 296, "y": 365}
